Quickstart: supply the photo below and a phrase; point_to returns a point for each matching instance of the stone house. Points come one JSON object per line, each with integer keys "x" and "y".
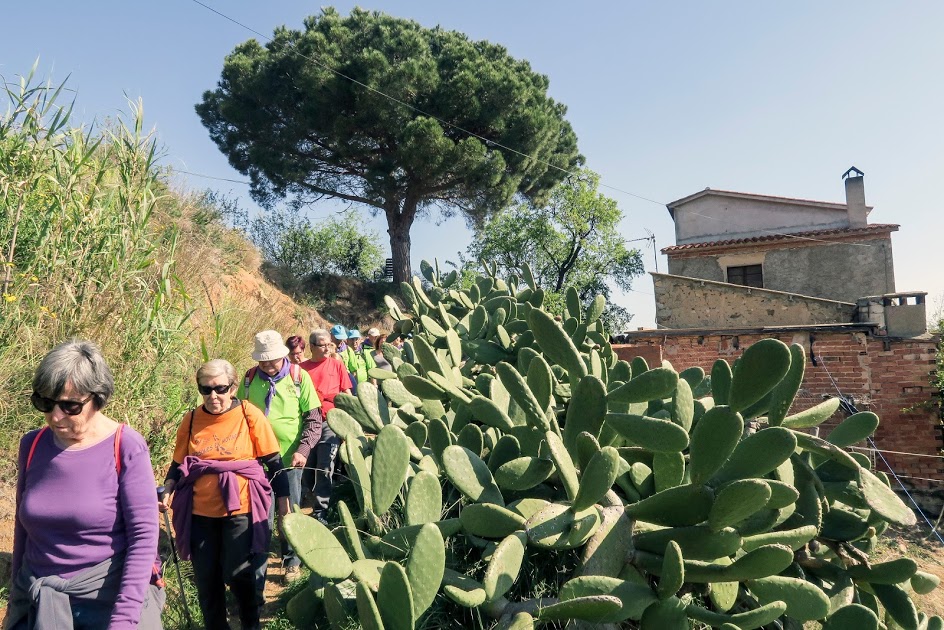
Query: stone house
{"x": 746, "y": 267}
{"x": 742, "y": 259}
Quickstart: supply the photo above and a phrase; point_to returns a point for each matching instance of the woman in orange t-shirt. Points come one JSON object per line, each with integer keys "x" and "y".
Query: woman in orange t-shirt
{"x": 221, "y": 503}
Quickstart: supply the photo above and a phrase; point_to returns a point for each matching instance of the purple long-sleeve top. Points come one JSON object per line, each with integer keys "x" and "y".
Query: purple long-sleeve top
{"x": 73, "y": 510}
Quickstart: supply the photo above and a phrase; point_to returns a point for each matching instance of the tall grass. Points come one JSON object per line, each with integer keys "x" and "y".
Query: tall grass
{"x": 83, "y": 258}
{"x": 94, "y": 244}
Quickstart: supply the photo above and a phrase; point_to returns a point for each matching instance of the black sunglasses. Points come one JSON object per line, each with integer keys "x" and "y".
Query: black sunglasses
{"x": 69, "y": 407}
{"x": 219, "y": 389}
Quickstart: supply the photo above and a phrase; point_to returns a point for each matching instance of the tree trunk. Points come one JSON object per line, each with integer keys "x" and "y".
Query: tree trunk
{"x": 399, "y": 222}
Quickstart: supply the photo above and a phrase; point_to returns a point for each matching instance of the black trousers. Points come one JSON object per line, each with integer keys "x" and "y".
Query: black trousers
{"x": 326, "y": 455}
{"x": 221, "y": 552}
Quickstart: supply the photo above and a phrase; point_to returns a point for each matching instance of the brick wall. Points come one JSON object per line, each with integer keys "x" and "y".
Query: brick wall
{"x": 880, "y": 374}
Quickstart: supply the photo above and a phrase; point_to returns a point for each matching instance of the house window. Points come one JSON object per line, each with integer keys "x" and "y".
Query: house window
{"x": 748, "y": 275}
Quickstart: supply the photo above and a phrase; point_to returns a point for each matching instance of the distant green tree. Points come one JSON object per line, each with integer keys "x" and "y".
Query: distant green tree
{"x": 305, "y": 117}
{"x": 338, "y": 246}
{"x": 572, "y": 240}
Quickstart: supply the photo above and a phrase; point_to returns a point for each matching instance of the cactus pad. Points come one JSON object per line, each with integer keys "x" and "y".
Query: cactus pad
{"x": 762, "y": 366}
{"x": 367, "y": 610}
{"x": 424, "y": 499}
{"x": 395, "y": 598}
{"x": 503, "y": 568}
{"x": 488, "y": 520}
{"x": 425, "y": 566}
{"x": 316, "y": 546}
{"x": 523, "y": 473}
{"x": 592, "y": 608}
{"x": 470, "y": 475}
{"x": 390, "y": 463}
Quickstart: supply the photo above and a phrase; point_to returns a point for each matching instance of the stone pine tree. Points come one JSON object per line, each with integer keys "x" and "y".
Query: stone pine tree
{"x": 350, "y": 108}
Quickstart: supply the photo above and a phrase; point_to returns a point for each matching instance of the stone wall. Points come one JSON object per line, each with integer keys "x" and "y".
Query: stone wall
{"x": 683, "y": 302}
{"x": 843, "y": 271}
{"x": 890, "y": 377}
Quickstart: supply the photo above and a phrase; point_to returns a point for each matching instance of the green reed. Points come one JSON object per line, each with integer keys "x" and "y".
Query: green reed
{"x": 81, "y": 257}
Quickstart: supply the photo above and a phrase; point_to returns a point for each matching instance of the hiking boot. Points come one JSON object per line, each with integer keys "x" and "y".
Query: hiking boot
{"x": 292, "y": 572}
{"x": 320, "y": 516}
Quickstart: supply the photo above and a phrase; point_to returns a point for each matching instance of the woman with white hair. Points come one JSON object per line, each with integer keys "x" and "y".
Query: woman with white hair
{"x": 221, "y": 495}
{"x": 85, "y": 538}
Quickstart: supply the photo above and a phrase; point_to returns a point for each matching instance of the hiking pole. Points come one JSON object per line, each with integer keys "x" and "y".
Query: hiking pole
{"x": 173, "y": 551}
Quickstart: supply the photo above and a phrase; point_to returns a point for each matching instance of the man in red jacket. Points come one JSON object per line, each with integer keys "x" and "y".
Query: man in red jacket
{"x": 330, "y": 379}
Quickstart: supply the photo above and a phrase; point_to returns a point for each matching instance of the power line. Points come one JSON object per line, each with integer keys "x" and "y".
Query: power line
{"x": 877, "y": 450}
{"x": 222, "y": 179}
{"x": 398, "y": 101}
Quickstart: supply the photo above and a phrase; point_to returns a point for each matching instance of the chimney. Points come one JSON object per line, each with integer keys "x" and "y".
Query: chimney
{"x": 855, "y": 198}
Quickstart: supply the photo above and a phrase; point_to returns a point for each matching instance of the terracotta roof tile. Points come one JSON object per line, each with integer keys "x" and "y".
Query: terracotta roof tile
{"x": 875, "y": 228}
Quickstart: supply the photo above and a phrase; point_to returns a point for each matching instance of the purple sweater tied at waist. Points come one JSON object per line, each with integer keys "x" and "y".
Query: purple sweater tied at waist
{"x": 193, "y": 468}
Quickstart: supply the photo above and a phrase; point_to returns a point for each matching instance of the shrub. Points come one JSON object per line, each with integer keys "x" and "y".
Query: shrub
{"x": 336, "y": 245}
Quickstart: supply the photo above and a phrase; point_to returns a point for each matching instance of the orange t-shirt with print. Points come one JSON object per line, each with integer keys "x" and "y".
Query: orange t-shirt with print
{"x": 243, "y": 432}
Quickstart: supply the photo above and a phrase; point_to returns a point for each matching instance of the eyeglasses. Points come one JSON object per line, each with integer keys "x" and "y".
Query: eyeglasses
{"x": 321, "y": 345}
{"x": 205, "y": 390}
{"x": 69, "y": 407}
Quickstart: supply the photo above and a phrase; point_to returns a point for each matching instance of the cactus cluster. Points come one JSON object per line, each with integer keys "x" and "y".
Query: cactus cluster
{"x": 508, "y": 438}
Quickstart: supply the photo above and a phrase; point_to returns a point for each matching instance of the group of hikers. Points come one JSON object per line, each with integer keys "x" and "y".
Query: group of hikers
{"x": 86, "y": 530}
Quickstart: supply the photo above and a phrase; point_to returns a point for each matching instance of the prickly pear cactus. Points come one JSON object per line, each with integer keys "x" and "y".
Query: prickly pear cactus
{"x": 516, "y": 473}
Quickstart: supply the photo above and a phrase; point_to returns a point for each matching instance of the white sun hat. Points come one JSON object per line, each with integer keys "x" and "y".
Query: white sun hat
{"x": 269, "y": 346}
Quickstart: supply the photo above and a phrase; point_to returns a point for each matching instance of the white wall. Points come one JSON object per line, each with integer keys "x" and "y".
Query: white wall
{"x": 717, "y": 217}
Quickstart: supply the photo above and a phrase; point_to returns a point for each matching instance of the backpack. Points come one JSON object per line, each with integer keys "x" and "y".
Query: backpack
{"x": 294, "y": 370}
{"x": 157, "y": 573}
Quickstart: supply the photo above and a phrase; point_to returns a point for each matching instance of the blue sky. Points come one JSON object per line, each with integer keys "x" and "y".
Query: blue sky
{"x": 666, "y": 98}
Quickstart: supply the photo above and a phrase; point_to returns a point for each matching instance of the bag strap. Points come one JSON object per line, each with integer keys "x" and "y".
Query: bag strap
{"x": 296, "y": 371}
{"x": 250, "y": 374}
{"x": 118, "y": 449}
{"x": 39, "y": 434}
{"x": 29, "y": 457}
{"x": 190, "y": 429}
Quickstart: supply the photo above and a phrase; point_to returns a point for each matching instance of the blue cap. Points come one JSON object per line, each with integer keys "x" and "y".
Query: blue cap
{"x": 354, "y": 334}
{"x": 339, "y": 332}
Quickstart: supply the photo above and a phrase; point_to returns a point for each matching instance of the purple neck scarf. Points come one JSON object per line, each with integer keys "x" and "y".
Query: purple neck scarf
{"x": 272, "y": 380}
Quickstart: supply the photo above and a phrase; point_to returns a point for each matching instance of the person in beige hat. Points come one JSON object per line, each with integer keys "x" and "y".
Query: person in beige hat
{"x": 288, "y": 398}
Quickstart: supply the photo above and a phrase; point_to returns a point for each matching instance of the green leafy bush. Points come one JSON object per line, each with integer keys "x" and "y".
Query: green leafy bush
{"x": 335, "y": 245}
